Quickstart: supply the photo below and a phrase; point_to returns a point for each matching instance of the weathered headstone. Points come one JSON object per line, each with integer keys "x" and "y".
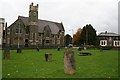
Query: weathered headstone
{"x": 79, "y": 49}
{"x": 37, "y": 48}
{"x": 85, "y": 54}
{"x": 19, "y": 50}
{"x": 58, "y": 48}
{"x": 48, "y": 57}
{"x": 69, "y": 61}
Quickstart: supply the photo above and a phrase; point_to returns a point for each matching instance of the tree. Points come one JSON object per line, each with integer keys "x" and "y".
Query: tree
{"x": 68, "y": 40}
{"x": 87, "y": 36}
{"x": 76, "y": 36}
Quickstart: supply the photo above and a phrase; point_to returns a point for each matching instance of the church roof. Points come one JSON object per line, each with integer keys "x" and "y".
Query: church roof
{"x": 54, "y": 26}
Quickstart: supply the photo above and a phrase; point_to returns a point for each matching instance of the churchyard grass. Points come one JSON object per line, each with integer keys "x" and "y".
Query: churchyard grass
{"x": 32, "y": 64}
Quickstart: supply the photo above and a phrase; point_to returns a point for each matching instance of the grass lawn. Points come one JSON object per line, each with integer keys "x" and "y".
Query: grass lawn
{"x": 31, "y": 64}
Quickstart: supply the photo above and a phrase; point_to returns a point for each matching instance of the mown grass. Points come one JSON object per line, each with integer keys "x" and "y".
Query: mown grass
{"x": 31, "y": 64}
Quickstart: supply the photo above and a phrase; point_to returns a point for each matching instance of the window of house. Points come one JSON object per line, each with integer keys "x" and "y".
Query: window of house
{"x": 103, "y": 43}
{"x": 116, "y": 43}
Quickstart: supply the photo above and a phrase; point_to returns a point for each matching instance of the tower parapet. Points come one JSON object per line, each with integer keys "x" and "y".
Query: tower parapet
{"x": 33, "y": 7}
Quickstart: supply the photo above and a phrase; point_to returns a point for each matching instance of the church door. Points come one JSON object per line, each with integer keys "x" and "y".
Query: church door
{"x": 26, "y": 42}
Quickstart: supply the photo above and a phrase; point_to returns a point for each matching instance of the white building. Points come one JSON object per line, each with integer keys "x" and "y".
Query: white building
{"x": 2, "y": 21}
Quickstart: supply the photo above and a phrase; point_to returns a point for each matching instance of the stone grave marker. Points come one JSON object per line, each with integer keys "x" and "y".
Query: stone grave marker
{"x": 58, "y": 48}
{"x": 38, "y": 49}
{"x": 79, "y": 49}
{"x": 19, "y": 50}
{"x": 48, "y": 57}
{"x": 69, "y": 61}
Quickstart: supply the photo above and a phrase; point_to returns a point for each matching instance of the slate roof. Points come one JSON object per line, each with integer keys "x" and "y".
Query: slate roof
{"x": 54, "y": 26}
{"x": 108, "y": 34}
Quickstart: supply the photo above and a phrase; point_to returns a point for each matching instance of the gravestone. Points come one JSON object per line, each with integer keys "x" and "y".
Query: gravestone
{"x": 58, "y": 48}
{"x": 19, "y": 50}
{"x": 38, "y": 49}
{"x": 69, "y": 61}
{"x": 48, "y": 57}
{"x": 79, "y": 49}
{"x": 85, "y": 54}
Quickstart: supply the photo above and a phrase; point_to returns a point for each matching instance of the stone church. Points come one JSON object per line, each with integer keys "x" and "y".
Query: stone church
{"x": 31, "y": 32}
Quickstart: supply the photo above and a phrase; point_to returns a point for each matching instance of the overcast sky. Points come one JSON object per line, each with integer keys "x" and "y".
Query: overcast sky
{"x": 74, "y": 14}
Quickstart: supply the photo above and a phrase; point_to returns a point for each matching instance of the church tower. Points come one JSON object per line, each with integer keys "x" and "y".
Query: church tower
{"x": 33, "y": 24}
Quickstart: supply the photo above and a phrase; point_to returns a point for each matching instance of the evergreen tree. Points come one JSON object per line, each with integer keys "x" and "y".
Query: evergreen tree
{"x": 87, "y": 36}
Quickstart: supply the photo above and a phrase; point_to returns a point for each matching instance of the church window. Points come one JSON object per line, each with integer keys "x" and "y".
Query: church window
{"x": 52, "y": 36}
{"x": 8, "y": 31}
{"x": 47, "y": 33}
{"x": 47, "y": 41}
{"x": 58, "y": 41}
{"x": 58, "y": 36}
{"x": 39, "y": 34}
{"x": 34, "y": 36}
{"x": 27, "y": 29}
{"x": 53, "y": 41}
{"x": 18, "y": 29}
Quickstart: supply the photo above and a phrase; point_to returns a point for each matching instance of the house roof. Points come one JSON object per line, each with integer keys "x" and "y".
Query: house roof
{"x": 54, "y": 26}
{"x": 106, "y": 34}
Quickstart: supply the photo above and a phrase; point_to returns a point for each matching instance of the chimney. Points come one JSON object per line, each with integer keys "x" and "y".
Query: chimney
{"x": 105, "y": 32}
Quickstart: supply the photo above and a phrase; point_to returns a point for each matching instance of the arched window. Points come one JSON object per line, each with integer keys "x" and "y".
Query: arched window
{"x": 18, "y": 28}
{"x": 47, "y": 31}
